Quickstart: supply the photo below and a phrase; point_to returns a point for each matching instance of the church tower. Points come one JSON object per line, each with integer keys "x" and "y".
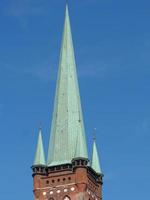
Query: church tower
{"x": 68, "y": 173}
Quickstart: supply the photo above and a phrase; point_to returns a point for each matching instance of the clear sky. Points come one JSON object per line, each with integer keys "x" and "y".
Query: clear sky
{"x": 112, "y": 46}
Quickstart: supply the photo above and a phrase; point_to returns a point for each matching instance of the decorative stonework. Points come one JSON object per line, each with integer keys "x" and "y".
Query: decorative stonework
{"x": 72, "y": 189}
{"x": 44, "y": 193}
{"x": 66, "y": 198}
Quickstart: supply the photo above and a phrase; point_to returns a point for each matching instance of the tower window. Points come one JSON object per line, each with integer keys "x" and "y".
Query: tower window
{"x": 66, "y": 198}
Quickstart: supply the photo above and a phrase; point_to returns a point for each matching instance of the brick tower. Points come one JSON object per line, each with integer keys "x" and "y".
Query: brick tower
{"x": 68, "y": 173}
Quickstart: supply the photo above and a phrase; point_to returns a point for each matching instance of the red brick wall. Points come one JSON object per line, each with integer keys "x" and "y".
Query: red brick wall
{"x": 75, "y": 184}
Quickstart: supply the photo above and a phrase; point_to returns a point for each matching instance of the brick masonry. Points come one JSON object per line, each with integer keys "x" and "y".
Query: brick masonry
{"x": 79, "y": 182}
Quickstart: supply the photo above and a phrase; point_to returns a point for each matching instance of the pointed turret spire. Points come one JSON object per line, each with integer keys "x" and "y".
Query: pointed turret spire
{"x": 95, "y": 164}
{"x": 80, "y": 151}
{"x": 67, "y": 120}
{"x": 39, "y": 155}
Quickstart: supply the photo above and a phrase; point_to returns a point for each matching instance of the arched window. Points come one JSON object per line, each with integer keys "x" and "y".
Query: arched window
{"x": 51, "y": 198}
{"x": 66, "y": 198}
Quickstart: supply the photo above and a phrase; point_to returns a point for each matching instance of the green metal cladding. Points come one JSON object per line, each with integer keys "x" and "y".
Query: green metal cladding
{"x": 67, "y": 138}
{"x": 67, "y": 122}
{"x": 39, "y": 155}
{"x": 95, "y": 164}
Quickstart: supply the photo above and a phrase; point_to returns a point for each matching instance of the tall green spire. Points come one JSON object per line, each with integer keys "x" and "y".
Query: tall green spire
{"x": 95, "y": 164}
{"x": 39, "y": 155}
{"x": 67, "y": 120}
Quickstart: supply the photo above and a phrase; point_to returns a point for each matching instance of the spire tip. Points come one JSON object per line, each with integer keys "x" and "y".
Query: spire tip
{"x": 94, "y": 134}
{"x": 40, "y": 126}
{"x": 67, "y": 10}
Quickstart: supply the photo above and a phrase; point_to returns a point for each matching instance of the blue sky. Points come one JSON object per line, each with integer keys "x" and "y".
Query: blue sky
{"x": 112, "y": 46}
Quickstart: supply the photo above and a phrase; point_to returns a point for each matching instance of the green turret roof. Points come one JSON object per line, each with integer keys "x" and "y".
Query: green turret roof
{"x": 95, "y": 164}
{"x": 39, "y": 155}
{"x": 67, "y": 120}
{"x": 80, "y": 151}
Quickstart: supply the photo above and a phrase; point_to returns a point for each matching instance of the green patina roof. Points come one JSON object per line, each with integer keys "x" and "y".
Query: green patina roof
{"x": 39, "y": 155}
{"x": 67, "y": 120}
{"x": 80, "y": 151}
{"x": 95, "y": 164}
